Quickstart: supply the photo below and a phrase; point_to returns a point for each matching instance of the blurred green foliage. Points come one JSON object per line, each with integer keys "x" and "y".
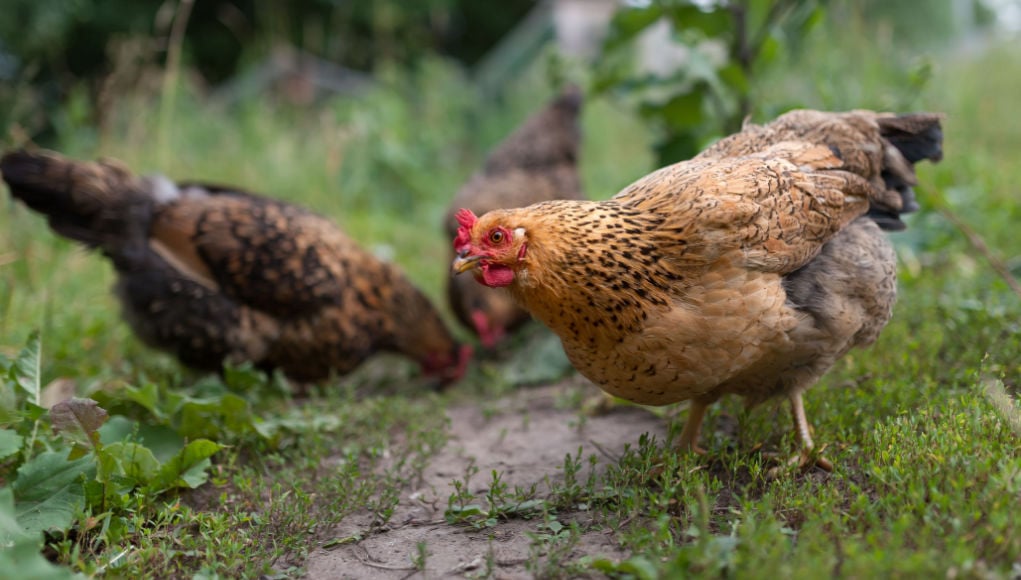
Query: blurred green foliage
{"x": 51, "y": 49}
{"x": 708, "y": 93}
{"x": 729, "y": 48}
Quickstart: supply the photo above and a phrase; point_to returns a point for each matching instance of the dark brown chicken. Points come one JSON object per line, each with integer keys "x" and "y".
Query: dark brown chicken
{"x": 748, "y": 270}
{"x": 537, "y": 162}
{"x": 214, "y": 274}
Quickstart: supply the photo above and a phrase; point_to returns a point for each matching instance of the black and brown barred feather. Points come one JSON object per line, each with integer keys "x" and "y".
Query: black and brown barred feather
{"x": 214, "y": 274}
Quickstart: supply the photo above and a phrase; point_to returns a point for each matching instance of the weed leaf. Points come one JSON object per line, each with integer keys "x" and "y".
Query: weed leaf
{"x": 79, "y": 420}
{"x": 147, "y": 396}
{"x": 635, "y": 566}
{"x": 10, "y": 443}
{"x": 188, "y": 467}
{"x": 130, "y": 463}
{"x": 10, "y": 529}
{"x": 48, "y": 491}
{"x": 25, "y": 559}
{"x": 20, "y": 549}
{"x": 540, "y": 360}
{"x": 163, "y": 441}
{"x": 25, "y": 370}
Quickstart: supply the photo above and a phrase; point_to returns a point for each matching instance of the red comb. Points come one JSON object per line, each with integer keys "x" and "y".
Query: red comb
{"x": 467, "y": 219}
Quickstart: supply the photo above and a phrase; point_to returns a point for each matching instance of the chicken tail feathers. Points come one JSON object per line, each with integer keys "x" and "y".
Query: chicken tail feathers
{"x": 917, "y": 136}
{"x": 909, "y": 138}
{"x": 100, "y": 204}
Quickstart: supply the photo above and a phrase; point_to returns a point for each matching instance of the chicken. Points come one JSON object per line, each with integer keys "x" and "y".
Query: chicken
{"x": 214, "y": 274}
{"x": 748, "y": 270}
{"x": 539, "y": 161}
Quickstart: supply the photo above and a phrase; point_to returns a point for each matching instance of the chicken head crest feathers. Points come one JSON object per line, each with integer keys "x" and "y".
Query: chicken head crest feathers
{"x": 466, "y": 219}
{"x": 749, "y": 270}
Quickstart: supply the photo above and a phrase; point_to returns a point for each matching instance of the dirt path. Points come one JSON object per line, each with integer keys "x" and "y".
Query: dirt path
{"x": 526, "y": 442}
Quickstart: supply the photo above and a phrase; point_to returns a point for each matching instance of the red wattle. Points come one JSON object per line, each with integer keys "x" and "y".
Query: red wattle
{"x": 496, "y": 275}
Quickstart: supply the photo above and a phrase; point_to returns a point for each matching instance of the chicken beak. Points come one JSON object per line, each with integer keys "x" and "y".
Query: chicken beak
{"x": 463, "y": 262}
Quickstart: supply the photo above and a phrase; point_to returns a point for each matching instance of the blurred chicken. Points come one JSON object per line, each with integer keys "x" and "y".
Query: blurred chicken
{"x": 214, "y": 274}
{"x": 748, "y": 270}
{"x": 539, "y": 161}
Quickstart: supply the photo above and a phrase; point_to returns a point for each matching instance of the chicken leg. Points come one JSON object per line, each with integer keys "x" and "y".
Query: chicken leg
{"x": 692, "y": 428}
{"x": 804, "y": 431}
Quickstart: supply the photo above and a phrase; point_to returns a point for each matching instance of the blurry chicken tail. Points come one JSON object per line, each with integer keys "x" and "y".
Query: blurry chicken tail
{"x": 569, "y": 100}
{"x": 100, "y": 204}
{"x": 910, "y": 138}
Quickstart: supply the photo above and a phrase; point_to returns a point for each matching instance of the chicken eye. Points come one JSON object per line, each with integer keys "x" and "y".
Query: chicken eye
{"x": 496, "y": 236}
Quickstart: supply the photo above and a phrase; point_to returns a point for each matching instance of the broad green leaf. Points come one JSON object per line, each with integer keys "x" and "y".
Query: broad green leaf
{"x": 266, "y": 429}
{"x": 78, "y": 421}
{"x": 244, "y": 378}
{"x": 33, "y": 412}
{"x": 209, "y": 417}
{"x": 25, "y": 369}
{"x": 686, "y": 109}
{"x": 735, "y": 78}
{"x": 8, "y": 397}
{"x": 760, "y": 14}
{"x": 541, "y": 359}
{"x": 768, "y": 51}
{"x": 187, "y": 468}
{"x": 147, "y": 396}
{"x": 710, "y": 23}
{"x": 163, "y": 441}
{"x": 117, "y": 428}
{"x": 48, "y": 491}
{"x": 10, "y": 529}
{"x": 628, "y": 23}
{"x": 677, "y": 147}
{"x": 20, "y": 555}
{"x": 814, "y": 18}
{"x": 128, "y": 464}
{"x": 636, "y": 566}
{"x": 10, "y": 443}
{"x": 27, "y": 562}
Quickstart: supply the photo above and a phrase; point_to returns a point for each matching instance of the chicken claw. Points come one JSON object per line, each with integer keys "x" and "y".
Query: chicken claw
{"x": 804, "y": 458}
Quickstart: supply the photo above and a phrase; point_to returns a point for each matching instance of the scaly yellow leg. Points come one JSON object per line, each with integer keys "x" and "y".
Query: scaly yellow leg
{"x": 598, "y": 405}
{"x": 804, "y": 432}
{"x": 692, "y": 428}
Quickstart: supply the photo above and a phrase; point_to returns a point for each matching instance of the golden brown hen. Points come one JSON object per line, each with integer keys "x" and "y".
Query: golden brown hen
{"x": 538, "y": 162}
{"x": 748, "y": 270}
{"x": 214, "y": 274}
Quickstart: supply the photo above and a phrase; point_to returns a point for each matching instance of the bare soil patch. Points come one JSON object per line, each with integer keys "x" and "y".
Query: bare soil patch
{"x": 526, "y": 440}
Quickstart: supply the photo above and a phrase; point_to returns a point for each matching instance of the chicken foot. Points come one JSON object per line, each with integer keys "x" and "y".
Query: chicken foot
{"x": 804, "y": 432}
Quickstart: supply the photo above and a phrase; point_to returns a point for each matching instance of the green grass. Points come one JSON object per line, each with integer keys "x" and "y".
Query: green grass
{"x": 928, "y": 466}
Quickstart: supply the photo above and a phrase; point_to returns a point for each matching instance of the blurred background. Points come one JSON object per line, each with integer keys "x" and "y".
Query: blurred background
{"x": 375, "y": 112}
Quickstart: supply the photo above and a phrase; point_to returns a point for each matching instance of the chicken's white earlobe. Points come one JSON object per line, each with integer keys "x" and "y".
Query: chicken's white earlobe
{"x": 518, "y": 232}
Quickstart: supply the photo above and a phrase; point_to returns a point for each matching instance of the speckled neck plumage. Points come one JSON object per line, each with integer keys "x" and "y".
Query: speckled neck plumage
{"x": 625, "y": 276}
